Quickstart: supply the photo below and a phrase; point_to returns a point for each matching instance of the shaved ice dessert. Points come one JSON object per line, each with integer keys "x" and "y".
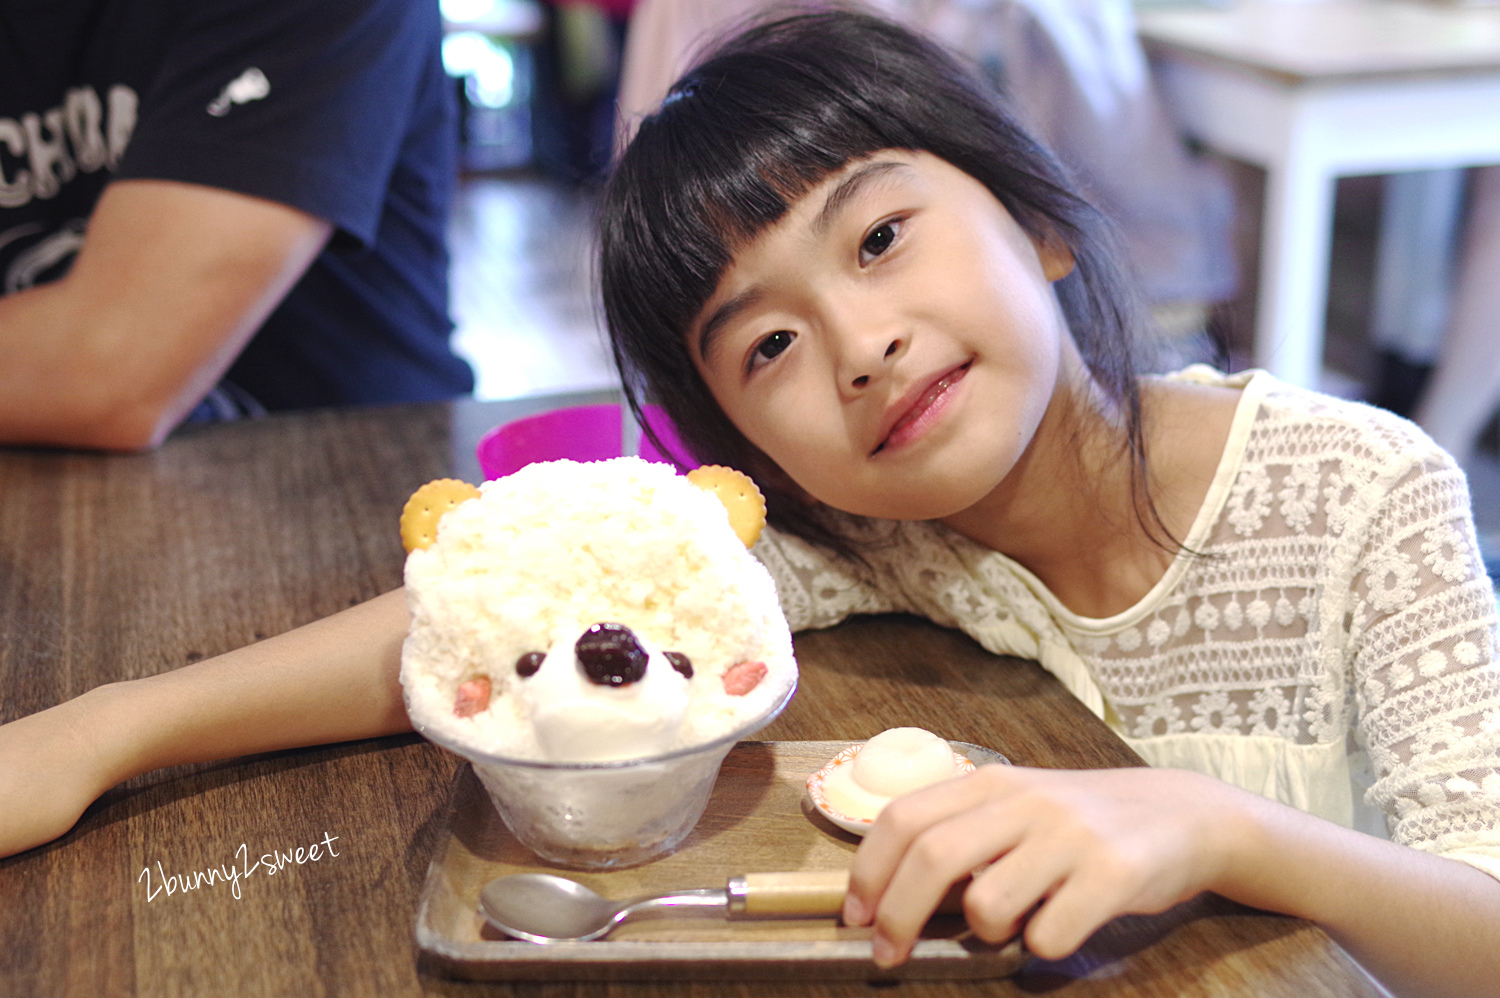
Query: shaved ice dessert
{"x": 594, "y": 637}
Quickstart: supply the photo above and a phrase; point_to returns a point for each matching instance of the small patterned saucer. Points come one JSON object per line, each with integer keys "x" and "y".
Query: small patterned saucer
{"x": 967, "y": 755}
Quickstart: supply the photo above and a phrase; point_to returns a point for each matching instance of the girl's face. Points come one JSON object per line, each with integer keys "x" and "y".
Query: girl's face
{"x": 892, "y": 343}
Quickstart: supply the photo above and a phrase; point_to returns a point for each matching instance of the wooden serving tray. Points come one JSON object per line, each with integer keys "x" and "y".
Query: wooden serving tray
{"x": 759, "y": 819}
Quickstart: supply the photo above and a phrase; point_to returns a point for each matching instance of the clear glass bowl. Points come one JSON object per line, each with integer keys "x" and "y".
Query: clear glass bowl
{"x": 605, "y": 815}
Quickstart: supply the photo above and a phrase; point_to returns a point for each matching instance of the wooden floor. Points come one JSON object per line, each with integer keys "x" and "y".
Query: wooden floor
{"x": 522, "y": 286}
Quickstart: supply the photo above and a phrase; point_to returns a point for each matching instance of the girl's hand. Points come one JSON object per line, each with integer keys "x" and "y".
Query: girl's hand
{"x": 51, "y": 769}
{"x": 1085, "y": 846}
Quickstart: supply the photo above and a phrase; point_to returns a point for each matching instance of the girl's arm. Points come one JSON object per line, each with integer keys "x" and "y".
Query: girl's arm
{"x": 333, "y": 680}
{"x": 1089, "y": 846}
{"x": 1423, "y": 924}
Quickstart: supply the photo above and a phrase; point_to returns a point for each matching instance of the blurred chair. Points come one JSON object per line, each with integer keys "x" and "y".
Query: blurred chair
{"x": 1421, "y": 216}
{"x": 1437, "y": 306}
{"x": 578, "y": 433}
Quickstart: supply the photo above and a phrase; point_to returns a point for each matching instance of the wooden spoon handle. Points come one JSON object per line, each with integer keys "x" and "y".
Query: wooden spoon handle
{"x": 804, "y": 893}
{"x": 807, "y": 894}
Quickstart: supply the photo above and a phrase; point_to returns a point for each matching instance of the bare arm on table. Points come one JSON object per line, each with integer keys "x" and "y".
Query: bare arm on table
{"x": 172, "y": 281}
{"x": 333, "y": 680}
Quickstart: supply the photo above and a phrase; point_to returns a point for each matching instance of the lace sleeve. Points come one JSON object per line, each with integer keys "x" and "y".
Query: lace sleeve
{"x": 1427, "y": 687}
{"x": 817, "y": 589}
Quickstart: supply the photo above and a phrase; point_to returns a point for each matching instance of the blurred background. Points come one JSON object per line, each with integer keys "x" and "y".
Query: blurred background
{"x": 538, "y": 85}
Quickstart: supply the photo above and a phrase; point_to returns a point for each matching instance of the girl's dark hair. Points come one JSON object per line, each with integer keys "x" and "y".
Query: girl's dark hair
{"x": 769, "y": 115}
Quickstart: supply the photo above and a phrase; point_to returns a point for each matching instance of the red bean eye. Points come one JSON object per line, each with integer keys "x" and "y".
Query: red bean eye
{"x": 680, "y": 662}
{"x": 528, "y": 663}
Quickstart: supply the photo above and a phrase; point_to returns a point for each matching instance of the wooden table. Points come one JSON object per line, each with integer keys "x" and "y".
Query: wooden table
{"x": 1315, "y": 91}
{"x": 120, "y": 567}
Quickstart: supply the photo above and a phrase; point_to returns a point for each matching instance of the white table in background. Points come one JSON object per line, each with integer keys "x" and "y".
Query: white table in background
{"x": 1316, "y": 90}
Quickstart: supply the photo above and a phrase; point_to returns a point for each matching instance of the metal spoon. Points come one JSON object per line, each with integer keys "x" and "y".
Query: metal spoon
{"x": 542, "y": 908}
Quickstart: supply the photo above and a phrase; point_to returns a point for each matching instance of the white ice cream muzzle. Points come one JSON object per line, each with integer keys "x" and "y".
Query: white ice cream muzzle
{"x": 604, "y": 694}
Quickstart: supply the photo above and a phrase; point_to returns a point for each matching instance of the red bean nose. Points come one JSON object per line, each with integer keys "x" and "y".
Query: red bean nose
{"x": 610, "y": 655}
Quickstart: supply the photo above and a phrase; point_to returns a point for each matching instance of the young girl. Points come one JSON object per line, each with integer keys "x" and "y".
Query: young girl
{"x": 841, "y": 266}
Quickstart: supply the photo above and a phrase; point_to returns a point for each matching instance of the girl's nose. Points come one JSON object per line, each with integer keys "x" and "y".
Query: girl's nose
{"x": 891, "y": 350}
{"x": 867, "y": 336}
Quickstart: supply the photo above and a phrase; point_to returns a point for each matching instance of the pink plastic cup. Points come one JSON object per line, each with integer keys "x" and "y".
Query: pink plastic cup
{"x": 676, "y": 453}
{"x": 577, "y": 433}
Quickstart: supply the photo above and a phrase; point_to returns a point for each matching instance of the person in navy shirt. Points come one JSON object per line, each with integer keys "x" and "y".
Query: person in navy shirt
{"x": 211, "y": 210}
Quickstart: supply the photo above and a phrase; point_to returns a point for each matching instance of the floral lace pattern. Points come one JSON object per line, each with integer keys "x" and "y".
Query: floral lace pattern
{"x": 1338, "y": 598}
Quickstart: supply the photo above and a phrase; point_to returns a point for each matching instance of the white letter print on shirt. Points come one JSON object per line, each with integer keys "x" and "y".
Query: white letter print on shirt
{"x": 248, "y": 86}
{"x": 49, "y": 148}
{"x": 42, "y": 256}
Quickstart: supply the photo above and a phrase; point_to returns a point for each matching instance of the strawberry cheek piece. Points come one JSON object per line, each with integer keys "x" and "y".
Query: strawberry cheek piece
{"x": 473, "y": 696}
{"x": 743, "y": 677}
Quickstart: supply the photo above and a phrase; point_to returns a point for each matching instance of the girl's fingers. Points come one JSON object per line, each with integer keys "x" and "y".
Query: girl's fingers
{"x": 946, "y": 853}
{"x": 1075, "y": 911}
{"x": 1104, "y": 886}
{"x": 898, "y": 827}
{"x": 1028, "y": 870}
{"x": 1000, "y": 896}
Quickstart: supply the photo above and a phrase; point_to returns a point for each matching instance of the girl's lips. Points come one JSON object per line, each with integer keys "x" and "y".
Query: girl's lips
{"x": 919, "y": 409}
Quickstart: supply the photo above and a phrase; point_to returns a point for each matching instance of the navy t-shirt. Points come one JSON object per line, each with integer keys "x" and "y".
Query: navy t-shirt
{"x": 339, "y": 108}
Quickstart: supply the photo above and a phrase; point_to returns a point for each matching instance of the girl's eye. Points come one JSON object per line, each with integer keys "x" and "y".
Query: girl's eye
{"x": 770, "y": 347}
{"x": 878, "y": 241}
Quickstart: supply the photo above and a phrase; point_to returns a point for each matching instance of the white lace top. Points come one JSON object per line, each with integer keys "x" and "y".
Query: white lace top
{"x": 1332, "y": 646}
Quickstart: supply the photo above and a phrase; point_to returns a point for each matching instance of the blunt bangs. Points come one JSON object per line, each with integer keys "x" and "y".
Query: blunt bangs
{"x": 741, "y": 138}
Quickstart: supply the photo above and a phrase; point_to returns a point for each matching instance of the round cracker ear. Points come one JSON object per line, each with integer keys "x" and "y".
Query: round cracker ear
{"x": 743, "y": 501}
{"x": 420, "y": 516}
